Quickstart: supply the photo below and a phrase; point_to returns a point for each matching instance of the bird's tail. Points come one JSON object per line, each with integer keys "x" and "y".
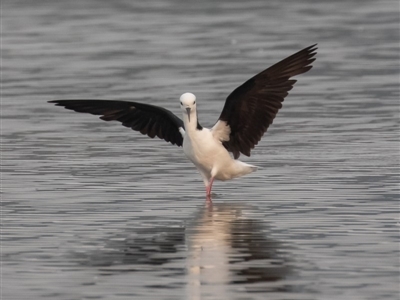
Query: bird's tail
{"x": 246, "y": 168}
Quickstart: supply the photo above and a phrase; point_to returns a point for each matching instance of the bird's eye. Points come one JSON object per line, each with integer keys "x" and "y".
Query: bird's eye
{"x": 194, "y": 102}
{"x": 181, "y": 103}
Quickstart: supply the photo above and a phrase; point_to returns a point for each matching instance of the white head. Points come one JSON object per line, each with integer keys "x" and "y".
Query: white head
{"x": 188, "y": 103}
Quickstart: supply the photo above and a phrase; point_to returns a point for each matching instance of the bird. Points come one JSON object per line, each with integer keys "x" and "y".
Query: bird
{"x": 248, "y": 112}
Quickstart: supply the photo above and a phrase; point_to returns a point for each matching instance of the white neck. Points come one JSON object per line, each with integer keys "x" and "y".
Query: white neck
{"x": 192, "y": 125}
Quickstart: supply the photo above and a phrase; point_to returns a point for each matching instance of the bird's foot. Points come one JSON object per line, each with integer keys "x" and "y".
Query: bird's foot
{"x": 208, "y": 199}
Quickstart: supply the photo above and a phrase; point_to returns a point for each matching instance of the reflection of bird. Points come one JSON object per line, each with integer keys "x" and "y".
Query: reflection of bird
{"x": 207, "y": 261}
{"x": 246, "y": 116}
{"x": 226, "y": 247}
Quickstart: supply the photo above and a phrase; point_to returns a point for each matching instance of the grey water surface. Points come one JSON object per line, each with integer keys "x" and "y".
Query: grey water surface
{"x": 93, "y": 210}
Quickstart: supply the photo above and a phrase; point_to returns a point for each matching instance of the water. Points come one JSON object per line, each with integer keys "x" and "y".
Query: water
{"x": 92, "y": 210}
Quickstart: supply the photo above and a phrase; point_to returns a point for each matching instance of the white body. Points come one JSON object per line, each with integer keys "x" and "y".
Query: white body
{"x": 204, "y": 147}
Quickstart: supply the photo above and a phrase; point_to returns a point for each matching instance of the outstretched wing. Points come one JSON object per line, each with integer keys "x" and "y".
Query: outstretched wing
{"x": 251, "y": 108}
{"x": 147, "y": 119}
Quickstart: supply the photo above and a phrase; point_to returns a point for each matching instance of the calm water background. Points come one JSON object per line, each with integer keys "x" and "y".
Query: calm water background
{"x": 92, "y": 210}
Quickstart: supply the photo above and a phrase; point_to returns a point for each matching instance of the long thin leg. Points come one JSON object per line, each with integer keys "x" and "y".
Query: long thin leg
{"x": 209, "y": 187}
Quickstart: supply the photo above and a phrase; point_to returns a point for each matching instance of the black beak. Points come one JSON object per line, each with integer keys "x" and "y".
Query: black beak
{"x": 188, "y": 112}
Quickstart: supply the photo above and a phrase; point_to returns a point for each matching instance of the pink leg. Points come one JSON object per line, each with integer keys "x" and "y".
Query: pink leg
{"x": 209, "y": 187}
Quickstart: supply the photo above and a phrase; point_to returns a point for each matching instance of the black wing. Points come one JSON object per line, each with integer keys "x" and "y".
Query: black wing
{"x": 148, "y": 119}
{"x": 251, "y": 108}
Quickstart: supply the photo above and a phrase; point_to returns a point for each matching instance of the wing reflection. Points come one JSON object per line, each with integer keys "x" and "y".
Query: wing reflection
{"x": 140, "y": 249}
